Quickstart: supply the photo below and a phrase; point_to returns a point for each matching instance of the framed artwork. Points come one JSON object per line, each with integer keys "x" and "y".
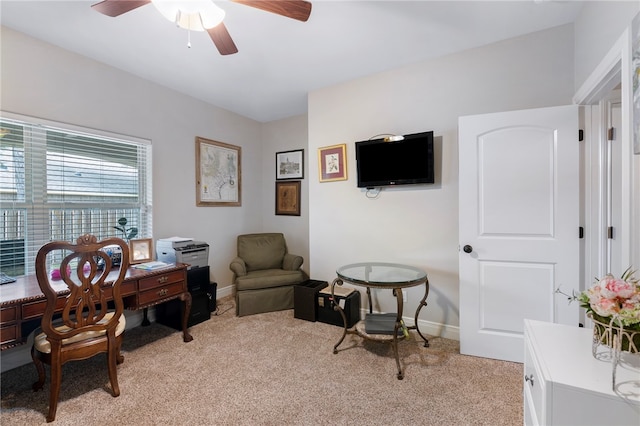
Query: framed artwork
{"x": 635, "y": 85}
{"x": 290, "y": 164}
{"x": 288, "y": 198}
{"x": 140, "y": 250}
{"x": 218, "y": 174}
{"x": 332, "y": 163}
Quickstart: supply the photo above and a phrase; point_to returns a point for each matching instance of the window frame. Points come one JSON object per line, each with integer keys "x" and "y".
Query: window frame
{"x": 37, "y": 209}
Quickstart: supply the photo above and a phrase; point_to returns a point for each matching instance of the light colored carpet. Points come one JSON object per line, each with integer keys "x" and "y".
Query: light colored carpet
{"x": 273, "y": 369}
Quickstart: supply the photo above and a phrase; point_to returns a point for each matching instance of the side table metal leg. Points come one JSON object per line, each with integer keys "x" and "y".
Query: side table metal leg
{"x": 336, "y": 307}
{"x": 398, "y": 293}
{"x": 423, "y": 302}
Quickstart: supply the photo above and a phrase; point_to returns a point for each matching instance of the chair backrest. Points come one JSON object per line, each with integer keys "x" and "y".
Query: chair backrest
{"x": 262, "y": 251}
{"x": 87, "y": 272}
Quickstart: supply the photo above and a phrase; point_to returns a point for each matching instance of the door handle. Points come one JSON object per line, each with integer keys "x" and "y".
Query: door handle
{"x": 467, "y": 248}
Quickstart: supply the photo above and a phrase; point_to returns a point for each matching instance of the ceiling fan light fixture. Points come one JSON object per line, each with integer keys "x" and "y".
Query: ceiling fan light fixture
{"x": 194, "y": 15}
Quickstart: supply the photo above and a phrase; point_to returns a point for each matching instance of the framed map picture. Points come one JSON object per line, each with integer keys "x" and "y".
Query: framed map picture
{"x": 218, "y": 175}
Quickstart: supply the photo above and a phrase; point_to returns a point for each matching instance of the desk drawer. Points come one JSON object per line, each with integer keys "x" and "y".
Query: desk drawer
{"x": 9, "y": 333}
{"x": 126, "y": 289}
{"x": 154, "y": 295}
{"x": 163, "y": 280}
{"x": 8, "y": 314}
{"x": 36, "y": 309}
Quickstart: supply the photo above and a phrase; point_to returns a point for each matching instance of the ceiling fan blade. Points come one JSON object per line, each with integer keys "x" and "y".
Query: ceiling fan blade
{"x": 295, "y": 9}
{"x": 222, "y": 39}
{"x": 115, "y": 8}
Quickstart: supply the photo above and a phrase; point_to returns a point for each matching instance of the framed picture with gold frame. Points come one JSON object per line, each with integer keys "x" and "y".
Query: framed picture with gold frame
{"x": 332, "y": 163}
{"x": 218, "y": 174}
{"x": 288, "y": 198}
{"x": 140, "y": 250}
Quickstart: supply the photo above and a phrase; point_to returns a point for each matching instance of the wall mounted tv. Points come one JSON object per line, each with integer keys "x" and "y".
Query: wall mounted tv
{"x": 386, "y": 162}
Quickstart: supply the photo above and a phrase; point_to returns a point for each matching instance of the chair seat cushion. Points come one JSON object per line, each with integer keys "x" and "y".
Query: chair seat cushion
{"x": 268, "y": 278}
{"x": 41, "y": 344}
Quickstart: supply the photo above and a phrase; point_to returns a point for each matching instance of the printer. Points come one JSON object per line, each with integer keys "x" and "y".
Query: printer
{"x": 183, "y": 250}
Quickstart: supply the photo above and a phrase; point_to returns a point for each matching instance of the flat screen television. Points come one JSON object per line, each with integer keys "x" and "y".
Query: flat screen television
{"x": 385, "y": 162}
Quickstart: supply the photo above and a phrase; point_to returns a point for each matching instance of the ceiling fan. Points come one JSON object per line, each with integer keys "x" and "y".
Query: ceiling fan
{"x": 204, "y": 15}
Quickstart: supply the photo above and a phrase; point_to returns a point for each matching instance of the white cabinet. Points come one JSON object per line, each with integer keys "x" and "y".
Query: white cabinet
{"x": 565, "y": 385}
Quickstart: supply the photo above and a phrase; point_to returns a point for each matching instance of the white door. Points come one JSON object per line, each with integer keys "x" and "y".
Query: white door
{"x": 518, "y": 213}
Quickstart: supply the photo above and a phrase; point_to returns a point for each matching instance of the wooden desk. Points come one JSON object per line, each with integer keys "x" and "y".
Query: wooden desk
{"x": 22, "y": 303}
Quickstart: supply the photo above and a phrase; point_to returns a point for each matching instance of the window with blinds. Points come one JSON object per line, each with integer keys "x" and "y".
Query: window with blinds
{"x": 58, "y": 182}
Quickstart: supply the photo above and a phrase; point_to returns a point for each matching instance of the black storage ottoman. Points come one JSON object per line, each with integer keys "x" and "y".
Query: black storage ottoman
{"x": 328, "y": 315}
{"x": 305, "y": 305}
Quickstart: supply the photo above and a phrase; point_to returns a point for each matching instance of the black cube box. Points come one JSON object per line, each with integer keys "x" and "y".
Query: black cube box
{"x": 203, "y": 301}
{"x": 170, "y": 313}
{"x": 328, "y": 315}
{"x": 305, "y": 304}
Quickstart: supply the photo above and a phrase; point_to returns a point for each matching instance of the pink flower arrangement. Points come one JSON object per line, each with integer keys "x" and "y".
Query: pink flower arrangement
{"x": 614, "y": 299}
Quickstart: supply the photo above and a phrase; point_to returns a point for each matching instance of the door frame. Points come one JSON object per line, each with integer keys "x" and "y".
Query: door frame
{"x": 613, "y": 70}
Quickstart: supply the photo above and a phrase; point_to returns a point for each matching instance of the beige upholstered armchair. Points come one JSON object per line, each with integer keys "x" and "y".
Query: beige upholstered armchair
{"x": 264, "y": 274}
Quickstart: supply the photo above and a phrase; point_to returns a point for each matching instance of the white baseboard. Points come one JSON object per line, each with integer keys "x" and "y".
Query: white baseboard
{"x": 224, "y": 292}
{"x": 440, "y": 330}
{"x": 428, "y": 327}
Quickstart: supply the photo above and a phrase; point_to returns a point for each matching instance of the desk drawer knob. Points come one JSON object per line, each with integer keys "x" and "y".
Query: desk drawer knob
{"x": 529, "y": 378}
{"x": 163, "y": 279}
{"x": 163, "y": 292}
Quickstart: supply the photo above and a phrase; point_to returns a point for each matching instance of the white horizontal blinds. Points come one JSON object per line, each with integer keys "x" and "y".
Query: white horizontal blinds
{"x": 57, "y": 184}
{"x": 12, "y": 190}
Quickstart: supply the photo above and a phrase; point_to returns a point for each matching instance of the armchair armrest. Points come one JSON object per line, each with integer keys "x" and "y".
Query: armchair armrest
{"x": 238, "y": 266}
{"x": 292, "y": 262}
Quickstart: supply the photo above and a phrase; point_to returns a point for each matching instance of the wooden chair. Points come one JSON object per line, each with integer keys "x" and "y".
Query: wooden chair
{"x": 87, "y": 326}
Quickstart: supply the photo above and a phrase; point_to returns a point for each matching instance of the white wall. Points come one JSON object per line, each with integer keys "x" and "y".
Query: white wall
{"x": 45, "y": 81}
{"x": 419, "y": 225}
{"x": 286, "y": 135}
{"x": 597, "y": 28}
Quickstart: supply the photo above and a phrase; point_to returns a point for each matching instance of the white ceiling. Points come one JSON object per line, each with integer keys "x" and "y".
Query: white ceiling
{"x": 280, "y": 60}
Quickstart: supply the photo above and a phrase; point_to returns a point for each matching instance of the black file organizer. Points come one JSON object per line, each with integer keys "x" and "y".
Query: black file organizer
{"x": 203, "y": 301}
{"x": 305, "y": 295}
{"x": 327, "y": 314}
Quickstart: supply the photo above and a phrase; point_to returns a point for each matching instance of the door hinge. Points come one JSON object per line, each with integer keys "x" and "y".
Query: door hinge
{"x": 611, "y": 134}
{"x": 610, "y": 232}
{"x": 580, "y": 135}
{"x": 580, "y": 232}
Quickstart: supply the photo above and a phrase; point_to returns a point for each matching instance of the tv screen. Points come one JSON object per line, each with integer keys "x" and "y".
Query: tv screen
{"x": 384, "y": 163}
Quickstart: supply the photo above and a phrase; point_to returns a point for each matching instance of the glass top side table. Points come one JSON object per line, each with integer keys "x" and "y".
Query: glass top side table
{"x": 382, "y": 275}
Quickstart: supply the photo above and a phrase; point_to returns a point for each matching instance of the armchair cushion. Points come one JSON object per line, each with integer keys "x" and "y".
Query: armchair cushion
{"x": 269, "y": 278}
{"x": 262, "y": 251}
